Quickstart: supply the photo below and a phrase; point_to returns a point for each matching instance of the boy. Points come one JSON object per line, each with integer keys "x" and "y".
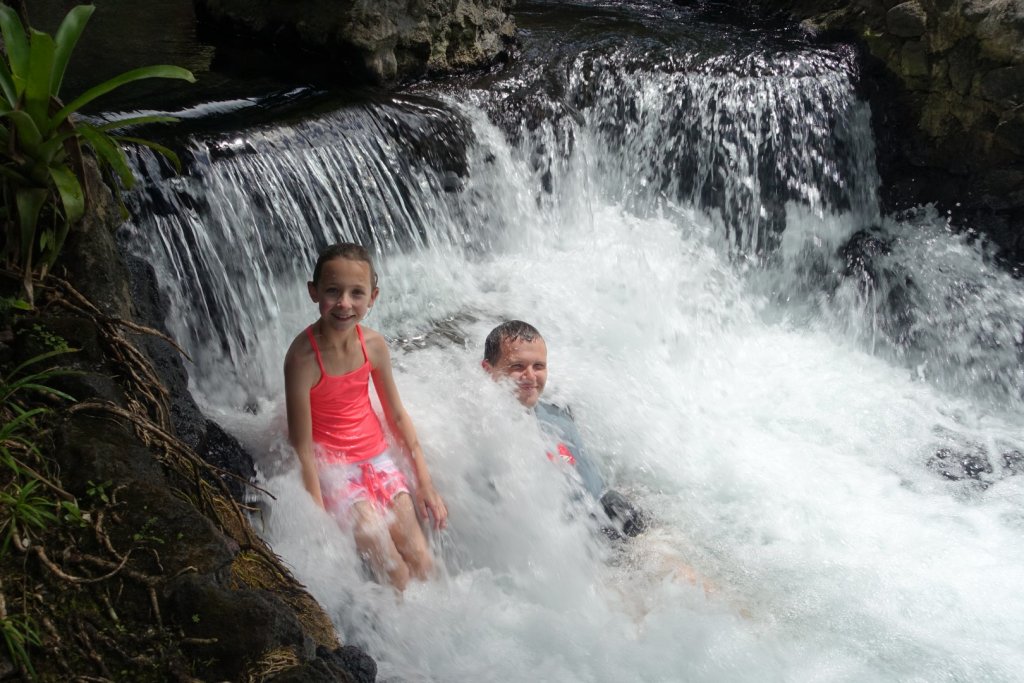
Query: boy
{"x": 515, "y": 350}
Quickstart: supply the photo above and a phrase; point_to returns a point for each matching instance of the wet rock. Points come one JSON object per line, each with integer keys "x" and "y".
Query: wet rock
{"x": 359, "y": 664}
{"x": 223, "y": 451}
{"x": 960, "y": 464}
{"x": 906, "y": 20}
{"x": 341, "y": 665}
{"x": 197, "y": 431}
{"x": 914, "y": 61}
{"x": 91, "y": 258}
{"x": 370, "y": 41}
{"x": 1003, "y": 84}
{"x": 243, "y": 624}
{"x": 96, "y": 454}
{"x": 865, "y": 263}
{"x": 1013, "y": 462}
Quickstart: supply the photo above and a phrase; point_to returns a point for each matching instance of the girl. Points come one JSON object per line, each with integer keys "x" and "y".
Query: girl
{"x": 346, "y": 464}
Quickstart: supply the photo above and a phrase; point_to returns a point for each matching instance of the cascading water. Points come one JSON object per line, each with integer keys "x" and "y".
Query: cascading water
{"x": 819, "y": 405}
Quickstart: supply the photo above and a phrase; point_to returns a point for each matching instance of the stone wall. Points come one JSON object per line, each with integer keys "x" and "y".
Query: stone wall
{"x": 377, "y": 41}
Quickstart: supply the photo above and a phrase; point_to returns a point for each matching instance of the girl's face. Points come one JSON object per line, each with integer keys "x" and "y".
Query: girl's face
{"x": 344, "y": 292}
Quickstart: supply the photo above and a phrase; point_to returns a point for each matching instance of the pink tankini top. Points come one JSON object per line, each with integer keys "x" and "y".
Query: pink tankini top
{"x": 344, "y": 424}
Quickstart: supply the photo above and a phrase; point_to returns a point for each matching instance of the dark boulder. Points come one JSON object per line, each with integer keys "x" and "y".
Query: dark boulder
{"x": 376, "y": 42}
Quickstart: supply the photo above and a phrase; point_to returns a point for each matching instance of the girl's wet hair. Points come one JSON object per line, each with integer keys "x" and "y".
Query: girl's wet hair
{"x": 510, "y": 330}
{"x": 348, "y": 250}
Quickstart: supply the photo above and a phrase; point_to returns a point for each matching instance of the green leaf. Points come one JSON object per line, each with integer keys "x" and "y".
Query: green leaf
{"x": 50, "y": 391}
{"x": 56, "y": 237}
{"x": 137, "y": 121}
{"x": 70, "y": 192}
{"x": 40, "y": 74}
{"x": 108, "y": 151}
{"x": 16, "y": 45}
{"x": 14, "y": 175}
{"x": 160, "y": 71}
{"x": 65, "y": 40}
{"x": 167, "y": 152}
{"x": 10, "y": 93}
{"x": 30, "y": 202}
{"x": 29, "y": 136}
{"x": 51, "y": 149}
{"x": 38, "y": 359}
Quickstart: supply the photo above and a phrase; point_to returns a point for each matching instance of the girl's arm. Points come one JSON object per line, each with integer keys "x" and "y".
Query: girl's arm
{"x": 426, "y": 496}
{"x": 297, "y": 384}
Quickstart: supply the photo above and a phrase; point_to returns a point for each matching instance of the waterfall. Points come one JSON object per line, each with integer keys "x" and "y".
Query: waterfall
{"x": 819, "y": 404}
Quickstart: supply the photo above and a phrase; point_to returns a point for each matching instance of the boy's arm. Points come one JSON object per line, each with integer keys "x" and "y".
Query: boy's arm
{"x": 401, "y": 426}
{"x": 297, "y": 384}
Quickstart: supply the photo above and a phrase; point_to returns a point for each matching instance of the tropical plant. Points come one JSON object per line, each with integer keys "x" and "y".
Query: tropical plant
{"x": 41, "y": 165}
{"x": 23, "y": 508}
{"x": 18, "y": 631}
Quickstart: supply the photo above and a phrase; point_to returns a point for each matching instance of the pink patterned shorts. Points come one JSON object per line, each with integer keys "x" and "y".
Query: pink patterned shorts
{"x": 376, "y": 481}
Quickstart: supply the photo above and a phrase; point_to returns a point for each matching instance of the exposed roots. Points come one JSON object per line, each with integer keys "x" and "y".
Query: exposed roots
{"x": 145, "y": 392}
{"x": 272, "y": 663}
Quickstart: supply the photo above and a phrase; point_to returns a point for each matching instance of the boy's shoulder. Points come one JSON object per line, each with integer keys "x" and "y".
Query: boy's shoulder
{"x": 553, "y": 413}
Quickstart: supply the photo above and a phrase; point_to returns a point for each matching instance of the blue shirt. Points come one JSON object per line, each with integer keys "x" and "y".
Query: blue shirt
{"x": 557, "y": 423}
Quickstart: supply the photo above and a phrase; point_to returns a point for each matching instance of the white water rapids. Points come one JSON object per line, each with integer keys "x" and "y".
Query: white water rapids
{"x": 782, "y": 448}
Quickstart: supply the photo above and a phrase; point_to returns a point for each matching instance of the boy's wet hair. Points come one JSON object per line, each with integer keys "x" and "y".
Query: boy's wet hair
{"x": 510, "y": 330}
{"x": 348, "y": 250}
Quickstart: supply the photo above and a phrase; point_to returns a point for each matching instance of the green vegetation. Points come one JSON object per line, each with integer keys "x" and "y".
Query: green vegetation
{"x": 19, "y": 631}
{"x": 41, "y": 162}
{"x": 25, "y": 510}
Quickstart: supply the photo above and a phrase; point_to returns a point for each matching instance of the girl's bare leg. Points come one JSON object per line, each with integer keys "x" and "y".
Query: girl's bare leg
{"x": 374, "y": 543}
{"x": 408, "y": 538}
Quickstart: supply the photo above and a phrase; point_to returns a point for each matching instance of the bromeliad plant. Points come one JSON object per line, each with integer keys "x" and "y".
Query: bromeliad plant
{"x": 41, "y": 169}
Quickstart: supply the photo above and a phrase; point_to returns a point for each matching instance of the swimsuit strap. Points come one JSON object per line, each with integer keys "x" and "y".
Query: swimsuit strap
{"x": 362, "y": 343}
{"x": 316, "y": 350}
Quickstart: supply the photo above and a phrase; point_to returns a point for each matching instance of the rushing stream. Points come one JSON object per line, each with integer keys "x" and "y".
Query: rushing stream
{"x": 820, "y": 405}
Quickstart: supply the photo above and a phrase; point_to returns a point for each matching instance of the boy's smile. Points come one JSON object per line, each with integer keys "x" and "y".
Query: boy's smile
{"x": 526, "y": 364}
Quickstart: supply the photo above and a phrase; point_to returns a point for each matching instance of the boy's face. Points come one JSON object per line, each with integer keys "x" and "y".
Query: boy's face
{"x": 526, "y": 364}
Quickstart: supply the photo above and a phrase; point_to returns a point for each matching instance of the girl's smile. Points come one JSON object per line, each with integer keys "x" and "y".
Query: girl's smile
{"x": 344, "y": 292}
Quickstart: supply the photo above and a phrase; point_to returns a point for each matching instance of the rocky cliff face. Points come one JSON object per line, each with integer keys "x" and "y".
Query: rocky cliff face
{"x": 378, "y": 41}
{"x": 947, "y": 86}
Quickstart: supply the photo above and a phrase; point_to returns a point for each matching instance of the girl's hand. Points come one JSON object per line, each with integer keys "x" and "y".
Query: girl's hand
{"x": 429, "y": 499}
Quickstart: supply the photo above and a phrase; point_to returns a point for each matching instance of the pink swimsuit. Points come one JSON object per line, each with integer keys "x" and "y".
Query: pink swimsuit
{"x": 352, "y": 455}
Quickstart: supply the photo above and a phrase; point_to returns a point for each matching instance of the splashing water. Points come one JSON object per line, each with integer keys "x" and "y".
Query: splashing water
{"x": 840, "y": 461}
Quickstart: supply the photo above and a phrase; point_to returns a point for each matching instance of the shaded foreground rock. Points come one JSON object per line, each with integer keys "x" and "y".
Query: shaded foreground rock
{"x": 373, "y": 42}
